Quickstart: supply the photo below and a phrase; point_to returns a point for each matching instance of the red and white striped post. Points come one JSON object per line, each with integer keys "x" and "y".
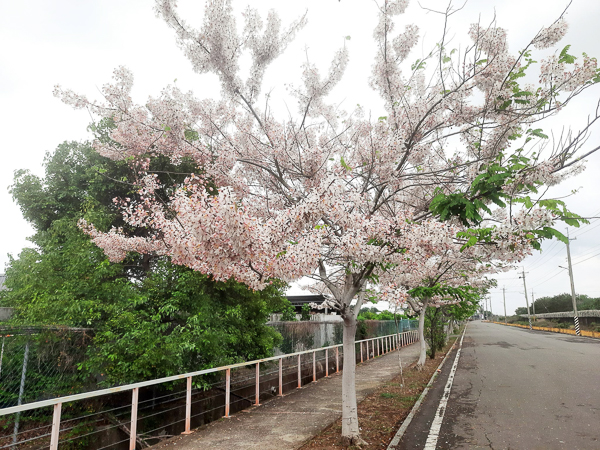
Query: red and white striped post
{"x": 55, "y": 426}
{"x": 299, "y": 372}
{"x": 188, "y": 406}
{"x": 314, "y": 366}
{"x": 257, "y": 393}
{"x": 326, "y": 363}
{"x": 227, "y": 391}
{"x": 134, "y": 412}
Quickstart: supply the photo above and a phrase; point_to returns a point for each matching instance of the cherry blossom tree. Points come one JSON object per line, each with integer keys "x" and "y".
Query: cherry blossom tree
{"x": 451, "y": 275}
{"x": 337, "y": 196}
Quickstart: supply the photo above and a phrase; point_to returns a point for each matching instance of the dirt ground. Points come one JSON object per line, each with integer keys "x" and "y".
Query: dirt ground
{"x": 382, "y": 412}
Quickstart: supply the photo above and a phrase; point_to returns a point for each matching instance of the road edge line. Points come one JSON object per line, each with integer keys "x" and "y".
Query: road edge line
{"x": 396, "y": 439}
{"x": 438, "y": 418}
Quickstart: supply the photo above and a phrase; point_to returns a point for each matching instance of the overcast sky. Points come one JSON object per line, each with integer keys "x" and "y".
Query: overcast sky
{"x": 78, "y": 44}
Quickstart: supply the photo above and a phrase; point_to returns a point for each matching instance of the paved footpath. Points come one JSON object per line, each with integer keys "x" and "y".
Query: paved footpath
{"x": 285, "y": 423}
{"x": 515, "y": 389}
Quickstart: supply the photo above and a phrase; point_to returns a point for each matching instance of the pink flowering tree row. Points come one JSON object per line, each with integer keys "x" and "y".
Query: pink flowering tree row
{"x": 441, "y": 190}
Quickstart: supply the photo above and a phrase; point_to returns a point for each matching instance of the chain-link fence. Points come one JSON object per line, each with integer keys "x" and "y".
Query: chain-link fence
{"x": 35, "y": 364}
{"x": 39, "y": 364}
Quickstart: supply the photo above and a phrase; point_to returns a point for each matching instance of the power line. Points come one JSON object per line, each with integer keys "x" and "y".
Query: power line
{"x": 593, "y": 256}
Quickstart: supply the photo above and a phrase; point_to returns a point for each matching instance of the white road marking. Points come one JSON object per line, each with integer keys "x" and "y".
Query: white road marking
{"x": 434, "y": 431}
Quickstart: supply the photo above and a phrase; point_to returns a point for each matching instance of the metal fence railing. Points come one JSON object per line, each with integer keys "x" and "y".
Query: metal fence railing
{"x": 140, "y": 414}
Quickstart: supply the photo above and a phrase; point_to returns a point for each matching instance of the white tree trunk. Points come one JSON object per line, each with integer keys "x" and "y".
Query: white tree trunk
{"x": 422, "y": 343}
{"x": 350, "y": 431}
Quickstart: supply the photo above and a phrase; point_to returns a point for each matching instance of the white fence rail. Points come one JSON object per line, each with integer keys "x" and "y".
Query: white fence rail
{"x": 368, "y": 348}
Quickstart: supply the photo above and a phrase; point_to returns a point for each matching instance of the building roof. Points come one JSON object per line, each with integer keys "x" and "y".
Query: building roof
{"x": 299, "y": 300}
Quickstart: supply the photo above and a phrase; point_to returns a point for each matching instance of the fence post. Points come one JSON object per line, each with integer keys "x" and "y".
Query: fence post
{"x": 2, "y": 354}
{"x": 377, "y": 340}
{"x": 134, "y": 412}
{"x": 281, "y": 377}
{"x": 367, "y": 343}
{"x": 314, "y": 366}
{"x": 299, "y": 372}
{"x": 257, "y": 394}
{"x": 326, "y": 363}
{"x": 227, "y": 391}
{"x": 55, "y": 427}
{"x": 188, "y": 406}
{"x": 361, "y": 352}
{"x": 21, "y": 390}
{"x": 337, "y": 359}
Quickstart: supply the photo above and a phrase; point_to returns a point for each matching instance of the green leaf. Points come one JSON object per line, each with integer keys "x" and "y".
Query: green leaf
{"x": 564, "y": 56}
{"x": 344, "y": 165}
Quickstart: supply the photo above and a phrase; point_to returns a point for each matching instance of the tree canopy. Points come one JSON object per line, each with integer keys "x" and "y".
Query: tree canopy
{"x": 149, "y": 318}
{"x": 451, "y": 167}
{"x": 561, "y": 303}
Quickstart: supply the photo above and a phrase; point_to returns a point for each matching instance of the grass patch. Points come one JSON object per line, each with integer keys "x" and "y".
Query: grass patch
{"x": 388, "y": 395}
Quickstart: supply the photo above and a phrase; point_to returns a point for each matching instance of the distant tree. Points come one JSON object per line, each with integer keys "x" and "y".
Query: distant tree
{"x": 564, "y": 302}
{"x": 519, "y": 311}
{"x": 436, "y": 320}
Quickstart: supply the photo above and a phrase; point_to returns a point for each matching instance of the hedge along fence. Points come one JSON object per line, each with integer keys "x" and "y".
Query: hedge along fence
{"x": 592, "y": 334}
{"x": 306, "y": 335}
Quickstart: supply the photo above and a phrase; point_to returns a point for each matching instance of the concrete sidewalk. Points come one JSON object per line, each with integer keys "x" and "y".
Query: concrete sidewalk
{"x": 285, "y": 423}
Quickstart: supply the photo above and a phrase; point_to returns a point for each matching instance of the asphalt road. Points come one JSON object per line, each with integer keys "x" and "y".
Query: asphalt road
{"x": 516, "y": 389}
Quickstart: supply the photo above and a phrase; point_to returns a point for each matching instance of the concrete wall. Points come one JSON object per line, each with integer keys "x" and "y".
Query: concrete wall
{"x": 299, "y": 336}
{"x": 5, "y": 313}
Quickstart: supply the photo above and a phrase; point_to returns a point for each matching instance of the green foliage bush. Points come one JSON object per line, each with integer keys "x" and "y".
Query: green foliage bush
{"x": 305, "y": 313}
{"x": 150, "y": 317}
{"x": 288, "y": 314}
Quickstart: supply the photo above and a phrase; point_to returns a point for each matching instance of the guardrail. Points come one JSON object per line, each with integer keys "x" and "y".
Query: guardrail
{"x": 566, "y": 314}
{"x": 368, "y": 349}
{"x": 592, "y": 334}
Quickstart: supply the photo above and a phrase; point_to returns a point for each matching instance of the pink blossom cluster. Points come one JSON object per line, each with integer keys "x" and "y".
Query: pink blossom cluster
{"x": 338, "y": 197}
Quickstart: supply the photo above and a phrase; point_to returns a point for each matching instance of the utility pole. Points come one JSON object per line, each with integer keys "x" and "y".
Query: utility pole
{"x": 575, "y": 314}
{"x": 504, "y": 300}
{"x": 533, "y": 305}
{"x": 491, "y": 311}
{"x": 526, "y": 299}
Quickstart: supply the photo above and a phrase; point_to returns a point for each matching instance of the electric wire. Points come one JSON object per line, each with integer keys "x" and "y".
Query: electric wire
{"x": 579, "y": 262}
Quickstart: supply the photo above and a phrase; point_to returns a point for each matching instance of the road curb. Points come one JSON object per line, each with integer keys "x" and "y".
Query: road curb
{"x": 396, "y": 439}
